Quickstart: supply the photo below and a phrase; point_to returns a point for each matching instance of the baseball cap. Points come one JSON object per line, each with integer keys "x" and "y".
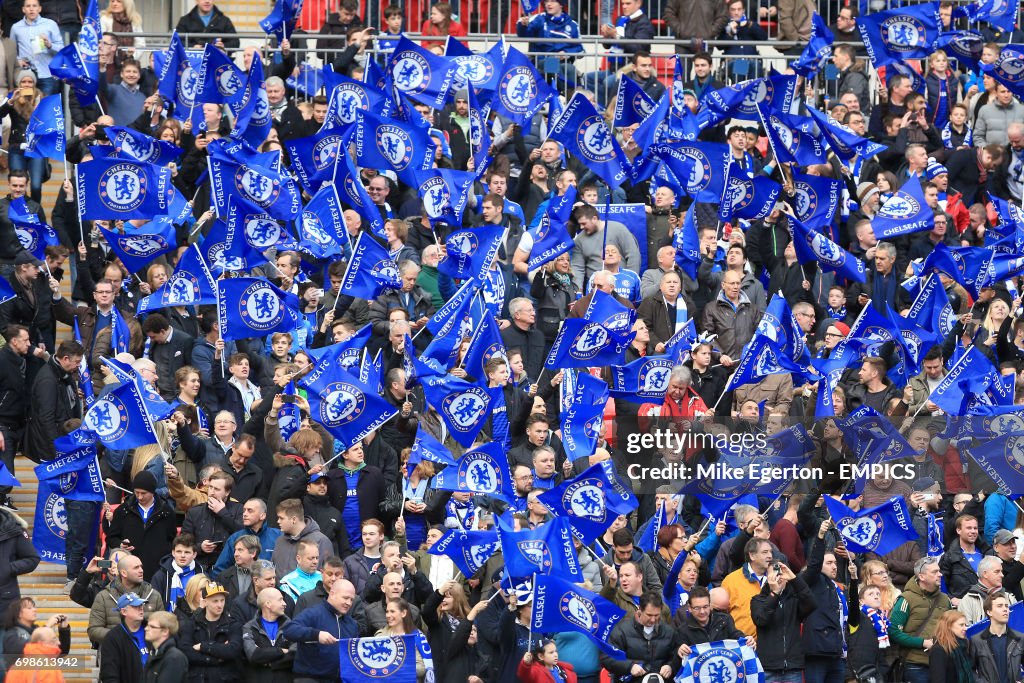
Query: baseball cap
{"x": 129, "y": 600}
{"x": 214, "y": 589}
{"x": 1003, "y": 536}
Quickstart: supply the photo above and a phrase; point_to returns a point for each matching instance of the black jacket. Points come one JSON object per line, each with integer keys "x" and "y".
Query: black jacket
{"x": 9, "y": 243}
{"x": 152, "y": 538}
{"x": 13, "y": 406}
{"x": 454, "y": 657}
{"x": 167, "y": 665}
{"x": 164, "y": 577}
{"x": 53, "y": 402}
{"x": 369, "y": 489}
{"x": 778, "y": 620}
{"x": 956, "y": 570}
{"x": 533, "y": 345}
{"x": 120, "y": 659}
{"x": 218, "y": 658}
{"x": 219, "y": 23}
{"x": 720, "y": 626}
{"x": 327, "y": 517}
{"x": 169, "y": 358}
{"x": 823, "y": 632}
{"x": 205, "y": 525}
{"x": 35, "y": 314}
{"x": 416, "y": 587}
{"x": 265, "y": 659}
{"x": 651, "y": 654}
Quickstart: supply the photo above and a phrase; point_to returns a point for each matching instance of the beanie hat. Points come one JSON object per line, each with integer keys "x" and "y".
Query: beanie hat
{"x": 934, "y": 169}
{"x": 865, "y": 192}
{"x": 144, "y": 481}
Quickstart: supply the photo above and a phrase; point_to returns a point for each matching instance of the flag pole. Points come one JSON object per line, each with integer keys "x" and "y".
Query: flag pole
{"x": 109, "y": 483}
{"x": 726, "y": 391}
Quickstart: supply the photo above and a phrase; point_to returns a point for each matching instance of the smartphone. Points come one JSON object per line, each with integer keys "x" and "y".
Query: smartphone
{"x": 777, "y": 567}
{"x": 372, "y": 31}
{"x": 26, "y": 92}
{"x": 927, "y": 496}
{"x": 287, "y": 398}
{"x": 104, "y": 564}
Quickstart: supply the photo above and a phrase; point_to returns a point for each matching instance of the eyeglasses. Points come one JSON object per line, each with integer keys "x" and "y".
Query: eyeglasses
{"x": 832, "y": 335}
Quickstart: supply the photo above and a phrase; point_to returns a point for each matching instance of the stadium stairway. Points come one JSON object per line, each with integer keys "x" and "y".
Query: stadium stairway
{"x": 46, "y": 584}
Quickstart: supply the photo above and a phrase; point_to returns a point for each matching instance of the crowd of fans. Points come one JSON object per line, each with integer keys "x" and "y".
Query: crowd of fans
{"x": 247, "y": 555}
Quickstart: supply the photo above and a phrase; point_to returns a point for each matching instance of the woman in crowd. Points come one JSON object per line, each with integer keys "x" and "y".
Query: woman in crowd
{"x": 875, "y": 573}
{"x": 554, "y": 292}
{"x": 120, "y": 16}
{"x": 414, "y": 491}
{"x": 399, "y": 623}
{"x": 20, "y": 621}
{"x": 949, "y": 659}
{"x": 440, "y": 23}
{"x": 18, "y": 107}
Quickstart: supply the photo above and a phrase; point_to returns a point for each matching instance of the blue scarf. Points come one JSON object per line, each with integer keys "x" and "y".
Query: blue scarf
{"x": 837, "y": 313}
{"x": 947, "y": 136}
{"x": 880, "y": 623}
{"x": 844, "y": 614}
{"x": 423, "y": 647}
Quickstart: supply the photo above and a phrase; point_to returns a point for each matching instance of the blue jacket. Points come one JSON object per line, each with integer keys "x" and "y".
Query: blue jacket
{"x": 268, "y": 536}
{"x": 313, "y": 659}
{"x": 1000, "y": 513}
{"x": 554, "y": 30}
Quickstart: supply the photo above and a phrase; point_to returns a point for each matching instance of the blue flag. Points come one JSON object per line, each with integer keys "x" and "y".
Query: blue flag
{"x": 239, "y": 151}
{"x": 643, "y": 380}
{"x": 687, "y": 244}
{"x": 971, "y": 374}
{"x": 814, "y": 246}
{"x": 931, "y": 308}
{"x": 370, "y": 270}
{"x": 746, "y": 197}
{"x": 792, "y": 137}
{"x": 843, "y": 141}
{"x": 289, "y": 418}
{"x": 215, "y": 250}
{"x": 816, "y": 199}
{"x": 647, "y": 542}
{"x": 561, "y": 606}
{"x": 50, "y": 528}
{"x": 368, "y": 660}
{"x": 190, "y": 285}
{"x": 762, "y": 357}
{"x": 591, "y": 501}
{"x": 548, "y": 549}
{"x": 426, "y": 447}
{"x": 998, "y": 459}
{"x": 344, "y": 405}
{"x": 120, "y": 334}
{"x": 606, "y": 310}
{"x": 281, "y": 21}
{"x": 471, "y": 251}
{"x": 468, "y": 550}
{"x": 632, "y": 104}
{"x": 779, "y": 324}
{"x": 353, "y": 193}
{"x": 84, "y": 373}
{"x": 521, "y": 91}
{"x": 1006, "y": 68}
{"x": 177, "y": 79}
{"x": 84, "y": 76}
{"x": 346, "y": 97}
{"x": 583, "y": 419}
{"x": 389, "y": 144}
{"x": 585, "y": 134}
{"x": 77, "y": 473}
{"x": 345, "y": 354}
{"x": 248, "y": 229}
{"x": 701, "y": 167}
{"x": 818, "y": 50}
{"x": 32, "y": 235}
{"x": 44, "y": 136}
{"x": 309, "y": 81}
{"x": 276, "y": 193}
{"x": 444, "y": 193}
{"x": 741, "y": 100}
{"x": 421, "y": 75}
{"x": 964, "y": 48}
{"x": 879, "y": 530}
{"x": 900, "y": 34}
{"x": 481, "y": 70}
{"x": 117, "y": 189}
{"x": 1002, "y": 267}
{"x": 485, "y": 344}
{"x": 321, "y": 228}
{"x": 905, "y": 212}
{"x": 89, "y": 36}
{"x": 131, "y": 144}
{"x": 253, "y": 307}
{"x": 482, "y": 470}
{"x": 705, "y": 659}
{"x": 551, "y": 238}
{"x": 966, "y": 265}
{"x": 138, "y": 248}
{"x": 581, "y": 343}
{"x": 220, "y": 80}
{"x": 120, "y": 419}
{"x": 464, "y": 407}
{"x": 253, "y": 119}
{"x": 1001, "y": 14}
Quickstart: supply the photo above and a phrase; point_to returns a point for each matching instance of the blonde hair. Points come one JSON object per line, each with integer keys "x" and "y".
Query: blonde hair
{"x": 129, "y": 11}
{"x": 194, "y": 590}
{"x": 888, "y": 590}
{"x": 989, "y": 326}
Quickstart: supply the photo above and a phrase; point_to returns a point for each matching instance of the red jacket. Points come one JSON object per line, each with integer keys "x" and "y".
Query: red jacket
{"x": 455, "y": 30}
{"x": 538, "y": 673}
{"x": 955, "y": 208}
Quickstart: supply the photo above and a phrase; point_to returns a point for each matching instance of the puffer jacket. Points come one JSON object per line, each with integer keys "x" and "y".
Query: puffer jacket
{"x": 650, "y": 653}
{"x": 267, "y": 660}
{"x": 913, "y": 619}
{"x": 104, "y": 615}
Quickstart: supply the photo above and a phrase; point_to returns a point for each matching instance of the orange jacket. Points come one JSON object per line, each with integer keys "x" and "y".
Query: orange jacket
{"x": 33, "y": 674}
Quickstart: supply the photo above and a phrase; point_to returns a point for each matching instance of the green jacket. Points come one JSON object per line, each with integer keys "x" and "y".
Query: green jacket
{"x": 913, "y": 619}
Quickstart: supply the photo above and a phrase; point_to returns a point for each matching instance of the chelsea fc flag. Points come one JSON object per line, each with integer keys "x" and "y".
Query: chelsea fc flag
{"x": 900, "y": 34}
{"x": 559, "y": 605}
{"x": 365, "y": 660}
{"x": 252, "y": 307}
{"x": 879, "y": 530}
{"x": 117, "y": 189}
{"x": 723, "y": 660}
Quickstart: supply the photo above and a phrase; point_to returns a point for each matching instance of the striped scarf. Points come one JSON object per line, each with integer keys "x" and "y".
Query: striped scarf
{"x": 880, "y": 623}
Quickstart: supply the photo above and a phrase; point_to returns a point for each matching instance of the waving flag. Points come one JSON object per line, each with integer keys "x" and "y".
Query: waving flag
{"x": 560, "y": 605}
{"x": 89, "y": 36}
{"x": 463, "y": 406}
{"x": 581, "y": 343}
{"x": 470, "y": 251}
{"x": 880, "y": 529}
{"x": 116, "y": 189}
{"x": 583, "y": 419}
{"x": 239, "y": 151}
{"x": 742, "y": 99}
{"x": 966, "y": 265}
{"x": 780, "y": 325}
{"x": 216, "y": 253}
{"x": 606, "y": 310}
{"x": 345, "y": 354}
{"x": 468, "y": 550}
{"x": 346, "y": 96}
{"x": 220, "y": 81}
{"x": 253, "y": 307}
{"x": 813, "y": 246}
{"x": 643, "y": 380}
{"x": 707, "y": 659}
{"x": 455, "y": 311}
{"x": 282, "y": 19}
{"x": 900, "y": 34}
{"x": 353, "y": 193}
{"x": 746, "y": 197}
{"x": 843, "y": 141}
{"x": 970, "y": 374}
{"x": 792, "y": 137}
{"x": 131, "y": 144}
{"x": 485, "y": 344}
{"x": 343, "y": 404}
{"x": 421, "y": 75}
{"x": 120, "y": 419}
{"x": 483, "y": 470}
{"x": 190, "y": 285}
{"x": 931, "y": 308}
{"x": 481, "y": 70}
{"x": 818, "y": 50}
{"x": 998, "y": 458}
{"x": 762, "y": 357}
{"x": 386, "y": 143}
{"x": 309, "y": 81}
{"x": 701, "y": 167}
{"x": 253, "y": 120}
{"x": 521, "y": 91}
{"x": 138, "y": 248}
{"x": 365, "y": 660}
{"x": 34, "y": 237}
{"x": 444, "y": 193}
{"x": 586, "y": 135}
{"x": 632, "y": 104}
{"x": 249, "y": 229}
{"x": 905, "y": 212}
{"x": 590, "y": 501}
{"x": 548, "y": 549}
{"x": 83, "y": 75}
{"x": 276, "y": 193}
{"x": 551, "y": 239}
{"x": 426, "y": 447}
{"x": 44, "y": 136}
{"x": 370, "y": 270}
{"x": 816, "y": 199}
{"x": 321, "y": 227}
